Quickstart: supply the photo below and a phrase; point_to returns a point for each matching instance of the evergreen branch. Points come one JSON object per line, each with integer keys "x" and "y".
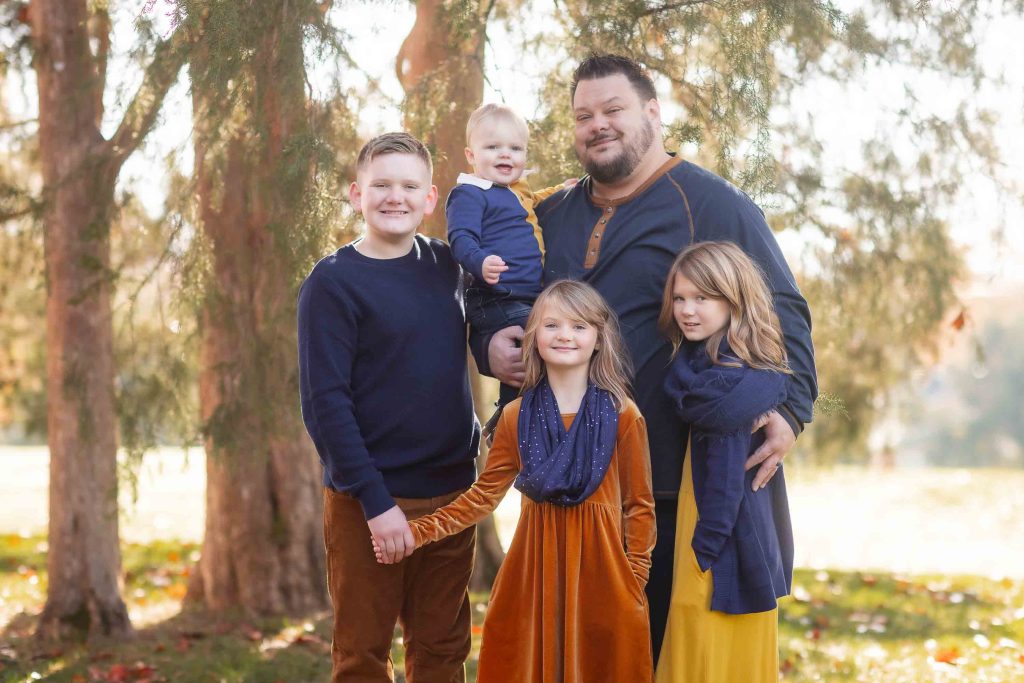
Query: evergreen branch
{"x": 168, "y": 58}
{"x": 17, "y": 213}
{"x": 18, "y": 124}
{"x": 674, "y": 6}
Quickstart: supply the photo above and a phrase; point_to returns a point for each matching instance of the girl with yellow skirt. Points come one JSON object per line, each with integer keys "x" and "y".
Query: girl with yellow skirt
{"x": 734, "y": 546}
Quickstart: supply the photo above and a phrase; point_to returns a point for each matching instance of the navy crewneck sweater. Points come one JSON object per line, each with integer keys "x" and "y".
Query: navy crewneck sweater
{"x": 383, "y": 381}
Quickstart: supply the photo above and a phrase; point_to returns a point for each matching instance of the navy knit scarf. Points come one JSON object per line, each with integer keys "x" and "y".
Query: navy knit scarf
{"x": 717, "y": 400}
{"x": 562, "y": 467}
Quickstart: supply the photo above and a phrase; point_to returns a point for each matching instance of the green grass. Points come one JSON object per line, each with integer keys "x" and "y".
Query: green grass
{"x": 838, "y": 626}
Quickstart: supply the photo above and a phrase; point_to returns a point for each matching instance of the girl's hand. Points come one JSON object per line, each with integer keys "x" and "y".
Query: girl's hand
{"x": 382, "y": 559}
{"x": 379, "y": 553}
{"x": 391, "y": 535}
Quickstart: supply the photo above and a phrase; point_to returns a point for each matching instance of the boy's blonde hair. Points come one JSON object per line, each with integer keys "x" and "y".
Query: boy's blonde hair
{"x": 609, "y": 367}
{"x": 722, "y": 270}
{"x": 498, "y": 111}
{"x": 393, "y": 143}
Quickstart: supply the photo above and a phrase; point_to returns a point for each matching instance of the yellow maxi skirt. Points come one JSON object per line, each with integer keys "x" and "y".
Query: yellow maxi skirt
{"x": 702, "y": 646}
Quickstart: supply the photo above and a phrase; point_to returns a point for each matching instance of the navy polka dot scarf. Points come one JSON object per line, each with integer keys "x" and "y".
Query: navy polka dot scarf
{"x": 563, "y": 467}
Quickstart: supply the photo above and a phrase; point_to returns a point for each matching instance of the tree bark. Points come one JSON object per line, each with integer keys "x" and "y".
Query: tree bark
{"x": 489, "y": 553}
{"x": 441, "y": 68}
{"x": 263, "y": 546}
{"x": 84, "y": 559}
{"x": 79, "y": 170}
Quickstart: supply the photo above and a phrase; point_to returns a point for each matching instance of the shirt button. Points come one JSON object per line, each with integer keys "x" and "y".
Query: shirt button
{"x": 609, "y": 209}
{"x": 604, "y": 220}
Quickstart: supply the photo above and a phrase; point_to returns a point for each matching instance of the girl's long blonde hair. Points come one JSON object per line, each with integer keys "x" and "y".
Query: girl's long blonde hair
{"x": 721, "y": 270}
{"x": 610, "y": 369}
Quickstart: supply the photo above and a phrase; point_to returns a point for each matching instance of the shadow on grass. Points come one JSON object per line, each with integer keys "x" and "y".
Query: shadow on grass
{"x": 838, "y": 625}
{"x": 194, "y": 645}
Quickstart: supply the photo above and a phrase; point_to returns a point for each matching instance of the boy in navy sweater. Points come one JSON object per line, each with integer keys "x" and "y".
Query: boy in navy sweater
{"x": 386, "y": 400}
{"x": 492, "y": 228}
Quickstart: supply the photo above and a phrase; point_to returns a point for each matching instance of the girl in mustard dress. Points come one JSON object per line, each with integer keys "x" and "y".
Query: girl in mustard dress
{"x": 568, "y": 604}
{"x": 734, "y": 546}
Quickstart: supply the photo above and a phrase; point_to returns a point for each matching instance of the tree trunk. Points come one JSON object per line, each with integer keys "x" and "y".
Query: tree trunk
{"x": 489, "y": 553}
{"x": 441, "y": 68}
{"x": 84, "y": 559}
{"x": 263, "y": 546}
{"x": 80, "y": 169}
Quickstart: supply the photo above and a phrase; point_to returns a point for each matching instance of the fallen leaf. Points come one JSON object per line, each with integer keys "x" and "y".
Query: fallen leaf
{"x": 947, "y": 656}
{"x": 959, "y": 321}
{"x": 177, "y": 591}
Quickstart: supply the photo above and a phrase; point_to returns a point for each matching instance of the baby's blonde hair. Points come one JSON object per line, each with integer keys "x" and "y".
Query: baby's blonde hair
{"x": 721, "y": 270}
{"x": 498, "y": 111}
{"x": 609, "y": 366}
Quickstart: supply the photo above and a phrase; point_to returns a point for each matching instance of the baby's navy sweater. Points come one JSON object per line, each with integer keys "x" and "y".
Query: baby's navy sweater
{"x": 484, "y": 219}
{"x": 382, "y": 371}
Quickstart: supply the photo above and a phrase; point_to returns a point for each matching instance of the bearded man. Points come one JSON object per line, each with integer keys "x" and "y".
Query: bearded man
{"x": 619, "y": 229}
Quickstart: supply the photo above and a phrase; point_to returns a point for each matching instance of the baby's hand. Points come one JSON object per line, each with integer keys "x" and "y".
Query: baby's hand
{"x": 569, "y": 182}
{"x": 493, "y": 268}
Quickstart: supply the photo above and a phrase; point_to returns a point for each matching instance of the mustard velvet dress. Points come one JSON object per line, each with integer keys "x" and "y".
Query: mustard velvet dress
{"x": 702, "y": 646}
{"x": 568, "y": 604}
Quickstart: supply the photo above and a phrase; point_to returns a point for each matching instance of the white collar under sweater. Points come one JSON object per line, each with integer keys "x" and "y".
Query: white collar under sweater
{"x": 476, "y": 181}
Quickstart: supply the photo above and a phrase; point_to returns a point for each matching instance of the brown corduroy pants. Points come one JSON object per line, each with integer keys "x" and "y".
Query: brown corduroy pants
{"x": 426, "y": 594}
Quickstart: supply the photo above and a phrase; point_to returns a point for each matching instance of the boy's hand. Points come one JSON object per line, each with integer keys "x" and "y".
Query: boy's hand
{"x": 391, "y": 534}
{"x": 569, "y": 182}
{"x": 493, "y": 268}
{"x": 506, "y": 357}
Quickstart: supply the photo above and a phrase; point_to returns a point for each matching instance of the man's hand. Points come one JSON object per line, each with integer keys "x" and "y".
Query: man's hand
{"x": 505, "y": 357}
{"x": 391, "y": 534}
{"x": 779, "y": 438}
{"x": 493, "y": 268}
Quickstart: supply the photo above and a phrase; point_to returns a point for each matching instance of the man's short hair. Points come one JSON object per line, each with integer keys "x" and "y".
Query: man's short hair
{"x": 599, "y": 66}
{"x": 496, "y": 111}
{"x": 393, "y": 143}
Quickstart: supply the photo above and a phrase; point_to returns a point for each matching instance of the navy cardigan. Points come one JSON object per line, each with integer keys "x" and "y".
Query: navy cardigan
{"x": 755, "y": 566}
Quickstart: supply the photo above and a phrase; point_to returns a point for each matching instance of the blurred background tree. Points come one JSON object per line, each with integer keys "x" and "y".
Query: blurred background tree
{"x": 70, "y": 45}
{"x": 879, "y": 268}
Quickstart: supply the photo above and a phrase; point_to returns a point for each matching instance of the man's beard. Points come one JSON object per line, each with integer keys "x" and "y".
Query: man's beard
{"x": 625, "y": 163}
